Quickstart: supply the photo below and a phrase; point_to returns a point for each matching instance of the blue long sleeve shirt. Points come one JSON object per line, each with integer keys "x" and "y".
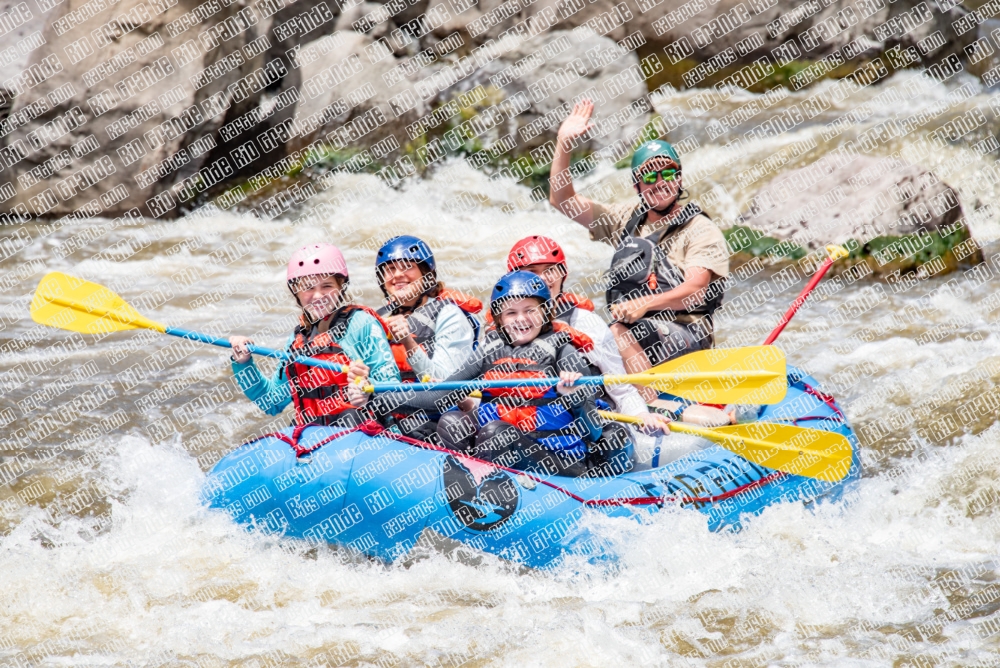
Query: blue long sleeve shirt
{"x": 363, "y": 340}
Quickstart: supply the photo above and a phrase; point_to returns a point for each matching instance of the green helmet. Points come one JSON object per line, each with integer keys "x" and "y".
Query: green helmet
{"x": 652, "y": 149}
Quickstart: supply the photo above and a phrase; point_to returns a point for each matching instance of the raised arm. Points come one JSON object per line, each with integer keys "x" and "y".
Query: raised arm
{"x": 561, "y": 193}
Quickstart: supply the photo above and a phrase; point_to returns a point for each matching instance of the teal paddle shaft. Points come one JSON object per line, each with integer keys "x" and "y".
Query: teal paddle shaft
{"x": 481, "y": 384}
{"x": 256, "y": 350}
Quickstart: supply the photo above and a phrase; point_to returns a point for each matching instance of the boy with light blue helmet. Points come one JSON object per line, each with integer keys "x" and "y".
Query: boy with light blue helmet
{"x": 549, "y": 429}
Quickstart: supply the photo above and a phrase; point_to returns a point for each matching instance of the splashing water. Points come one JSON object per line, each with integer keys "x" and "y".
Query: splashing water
{"x": 109, "y": 558}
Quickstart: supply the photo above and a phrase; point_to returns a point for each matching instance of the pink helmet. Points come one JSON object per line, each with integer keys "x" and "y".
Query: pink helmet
{"x": 316, "y": 259}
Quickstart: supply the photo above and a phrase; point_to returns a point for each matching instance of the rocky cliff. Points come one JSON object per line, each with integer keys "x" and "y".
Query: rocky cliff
{"x": 145, "y": 106}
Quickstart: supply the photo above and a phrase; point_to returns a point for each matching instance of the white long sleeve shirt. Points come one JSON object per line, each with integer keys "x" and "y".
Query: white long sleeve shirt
{"x": 453, "y": 339}
{"x": 606, "y": 357}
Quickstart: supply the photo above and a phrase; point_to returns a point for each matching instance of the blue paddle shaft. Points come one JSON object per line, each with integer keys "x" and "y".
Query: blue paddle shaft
{"x": 256, "y": 350}
{"x": 481, "y": 384}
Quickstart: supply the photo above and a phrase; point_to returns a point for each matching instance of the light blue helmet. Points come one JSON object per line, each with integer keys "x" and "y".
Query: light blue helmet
{"x": 518, "y": 285}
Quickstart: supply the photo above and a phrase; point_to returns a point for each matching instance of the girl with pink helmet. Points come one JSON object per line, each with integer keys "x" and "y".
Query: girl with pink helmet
{"x": 331, "y": 329}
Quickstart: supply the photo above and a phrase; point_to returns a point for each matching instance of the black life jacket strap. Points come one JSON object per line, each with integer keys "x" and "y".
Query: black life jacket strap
{"x": 664, "y": 268}
{"x": 685, "y": 216}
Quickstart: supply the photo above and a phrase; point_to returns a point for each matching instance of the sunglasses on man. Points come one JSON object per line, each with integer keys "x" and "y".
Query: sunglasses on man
{"x": 649, "y": 178}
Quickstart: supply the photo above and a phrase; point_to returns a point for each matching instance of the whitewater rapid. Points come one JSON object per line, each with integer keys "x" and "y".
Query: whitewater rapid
{"x": 109, "y": 556}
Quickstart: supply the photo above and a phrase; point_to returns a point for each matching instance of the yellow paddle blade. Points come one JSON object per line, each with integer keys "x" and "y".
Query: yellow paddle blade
{"x": 836, "y": 252}
{"x": 71, "y": 303}
{"x": 749, "y": 375}
{"x": 812, "y": 453}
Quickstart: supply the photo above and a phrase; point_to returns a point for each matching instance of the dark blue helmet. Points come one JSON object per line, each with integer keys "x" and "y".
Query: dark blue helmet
{"x": 409, "y": 248}
{"x": 405, "y": 248}
{"x": 516, "y": 285}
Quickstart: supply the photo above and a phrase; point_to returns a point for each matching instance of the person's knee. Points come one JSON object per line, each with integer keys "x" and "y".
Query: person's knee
{"x": 496, "y": 431}
{"x": 496, "y": 439}
{"x": 611, "y": 454}
{"x": 684, "y": 342}
{"x": 417, "y": 425}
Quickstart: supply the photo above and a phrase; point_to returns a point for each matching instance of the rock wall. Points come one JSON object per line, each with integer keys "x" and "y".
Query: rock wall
{"x": 147, "y": 105}
{"x": 137, "y": 100}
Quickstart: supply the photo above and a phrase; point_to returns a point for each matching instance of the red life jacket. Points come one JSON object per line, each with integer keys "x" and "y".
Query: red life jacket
{"x": 422, "y": 322}
{"x": 319, "y": 395}
{"x": 527, "y": 408}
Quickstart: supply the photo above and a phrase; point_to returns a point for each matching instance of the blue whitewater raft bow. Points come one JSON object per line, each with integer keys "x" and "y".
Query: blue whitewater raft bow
{"x": 380, "y": 494}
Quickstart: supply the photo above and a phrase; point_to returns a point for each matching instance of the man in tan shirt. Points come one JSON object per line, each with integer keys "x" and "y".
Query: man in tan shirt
{"x": 669, "y": 270}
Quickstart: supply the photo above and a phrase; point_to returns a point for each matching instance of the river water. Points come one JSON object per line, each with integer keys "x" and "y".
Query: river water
{"x": 108, "y": 558}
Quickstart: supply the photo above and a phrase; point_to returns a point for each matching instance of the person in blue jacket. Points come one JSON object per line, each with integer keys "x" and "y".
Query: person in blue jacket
{"x": 329, "y": 329}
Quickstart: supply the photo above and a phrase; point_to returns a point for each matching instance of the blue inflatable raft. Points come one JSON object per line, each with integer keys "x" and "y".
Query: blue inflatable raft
{"x": 380, "y": 494}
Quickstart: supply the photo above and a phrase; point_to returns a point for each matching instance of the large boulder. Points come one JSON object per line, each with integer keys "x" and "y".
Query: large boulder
{"x": 353, "y": 94}
{"x": 533, "y": 84}
{"x": 728, "y": 34}
{"x": 134, "y": 94}
{"x": 22, "y": 34}
{"x": 864, "y": 203}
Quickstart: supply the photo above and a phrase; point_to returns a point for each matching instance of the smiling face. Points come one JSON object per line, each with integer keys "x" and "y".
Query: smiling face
{"x": 318, "y": 295}
{"x": 662, "y": 194}
{"x": 404, "y": 281}
{"x": 521, "y": 320}
{"x": 552, "y": 274}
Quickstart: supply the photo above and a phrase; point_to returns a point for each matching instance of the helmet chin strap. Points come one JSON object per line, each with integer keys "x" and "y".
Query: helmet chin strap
{"x": 308, "y": 316}
{"x": 421, "y": 298}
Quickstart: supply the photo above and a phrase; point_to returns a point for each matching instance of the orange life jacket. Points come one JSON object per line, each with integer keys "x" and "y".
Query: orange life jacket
{"x": 576, "y": 300}
{"x": 422, "y": 321}
{"x": 578, "y": 339}
{"x": 520, "y": 406}
{"x": 537, "y": 411}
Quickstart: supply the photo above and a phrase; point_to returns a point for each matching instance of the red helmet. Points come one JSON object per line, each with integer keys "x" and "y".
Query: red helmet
{"x": 535, "y": 250}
